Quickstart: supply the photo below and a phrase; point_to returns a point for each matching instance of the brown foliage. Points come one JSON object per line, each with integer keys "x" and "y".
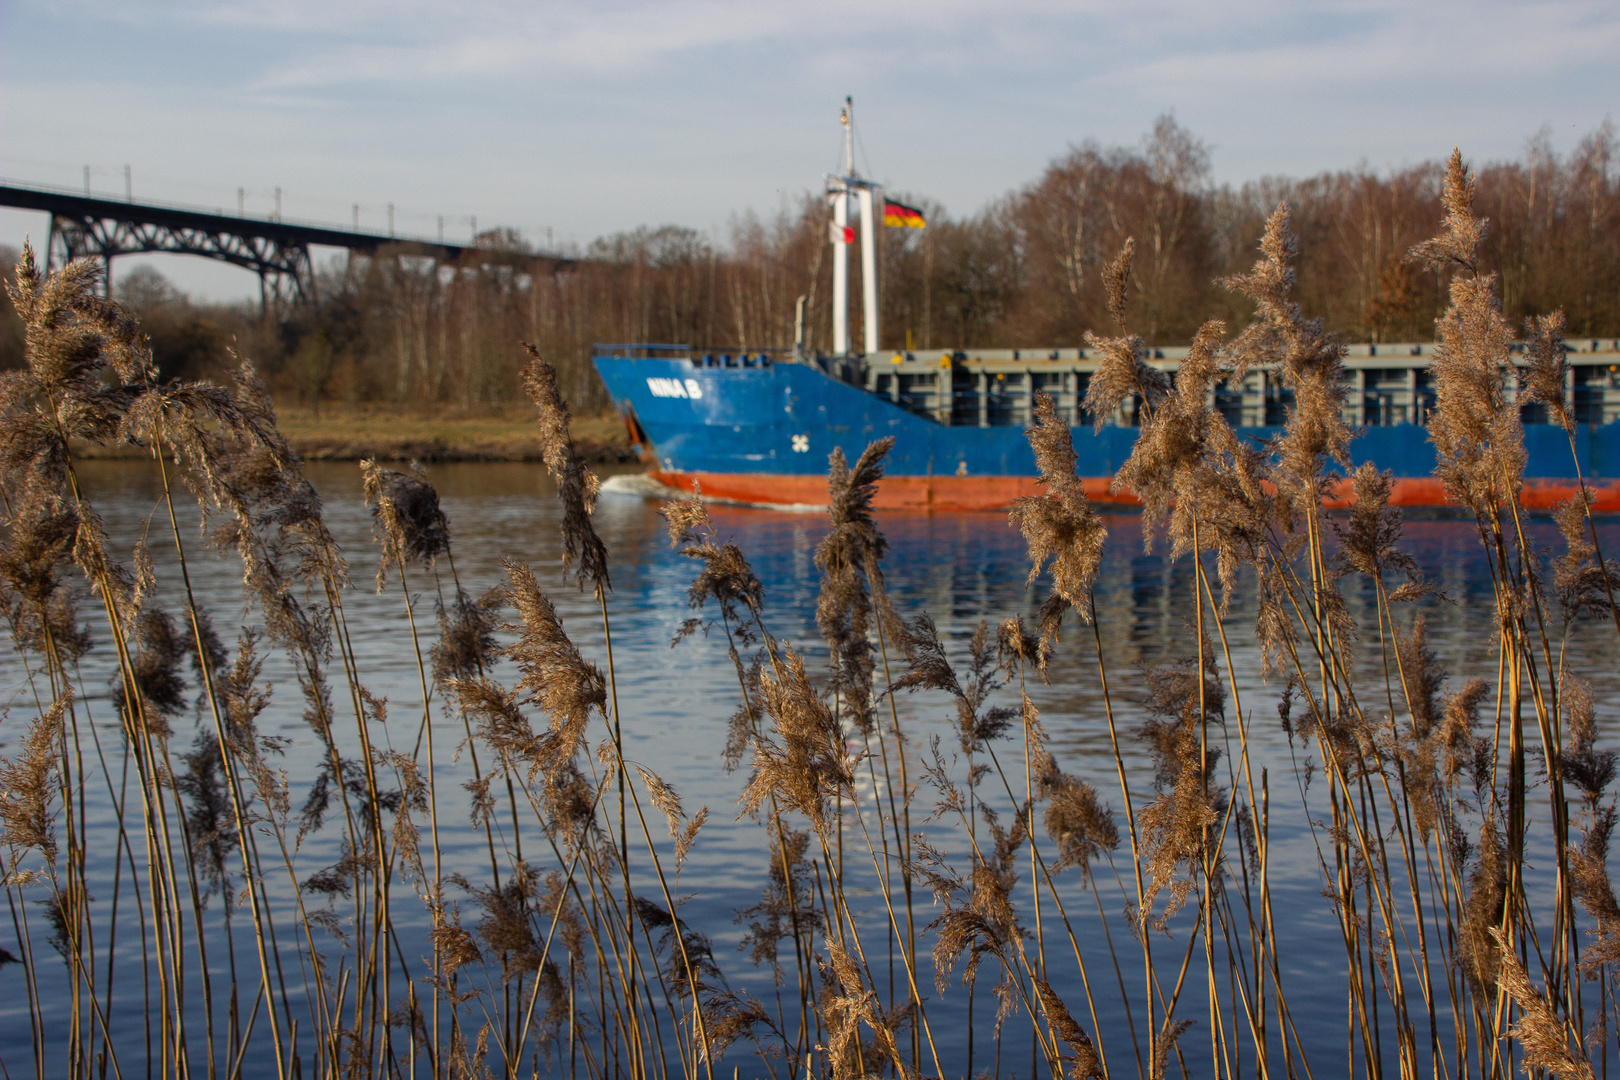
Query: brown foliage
{"x": 1027, "y": 269}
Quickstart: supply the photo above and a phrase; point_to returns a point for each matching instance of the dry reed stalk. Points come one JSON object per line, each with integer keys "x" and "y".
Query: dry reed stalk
{"x": 76, "y": 344}
{"x": 1427, "y": 779}
{"x": 1062, "y": 527}
{"x": 239, "y": 465}
{"x": 1479, "y": 440}
{"x": 585, "y": 554}
{"x": 1188, "y": 467}
{"x": 806, "y": 767}
{"x": 1122, "y": 374}
{"x": 410, "y": 527}
{"x": 1309, "y": 361}
{"x": 728, "y": 579}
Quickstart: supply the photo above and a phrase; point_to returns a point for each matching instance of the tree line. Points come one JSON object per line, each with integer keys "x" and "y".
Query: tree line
{"x": 402, "y": 328}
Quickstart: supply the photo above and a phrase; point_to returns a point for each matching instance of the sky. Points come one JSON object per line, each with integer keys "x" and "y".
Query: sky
{"x": 592, "y": 118}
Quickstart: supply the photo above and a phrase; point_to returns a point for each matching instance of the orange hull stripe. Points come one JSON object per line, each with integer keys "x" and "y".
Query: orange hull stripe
{"x": 998, "y": 492}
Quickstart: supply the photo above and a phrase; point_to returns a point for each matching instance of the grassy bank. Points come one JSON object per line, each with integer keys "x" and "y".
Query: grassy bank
{"x": 352, "y": 433}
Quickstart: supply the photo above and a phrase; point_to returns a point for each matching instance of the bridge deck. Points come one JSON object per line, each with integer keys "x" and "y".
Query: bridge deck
{"x": 75, "y": 205}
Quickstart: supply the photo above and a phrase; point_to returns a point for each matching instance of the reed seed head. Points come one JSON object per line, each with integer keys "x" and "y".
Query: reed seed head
{"x": 1478, "y": 947}
{"x": 1116, "y": 281}
{"x": 455, "y": 947}
{"x": 774, "y": 919}
{"x": 507, "y": 928}
{"x": 927, "y": 666}
{"x": 1546, "y": 370}
{"x": 1174, "y": 827}
{"x": 154, "y": 688}
{"x": 1084, "y": 1064}
{"x": 1080, "y": 826}
{"x": 1309, "y": 362}
{"x": 466, "y": 645}
{"x": 1590, "y": 885}
{"x": 729, "y": 1016}
{"x": 804, "y": 766}
{"x": 1189, "y": 466}
{"x": 1016, "y": 647}
{"x": 555, "y": 676}
{"x": 726, "y": 576}
{"x": 1370, "y": 540}
{"x": 664, "y": 798}
{"x": 577, "y": 486}
{"x": 1582, "y": 583}
{"x": 1461, "y": 233}
{"x": 850, "y": 559}
{"x": 1543, "y": 1036}
{"x": 845, "y": 1005}
{"x": 72, "y": 332}
{"x": 1122, "y": 369}
{"x": 406, "y": 518}
{"x": 210, "y": 818}
{"x": 1163, "y": 1043}
{"x": 1060, "y": 528}
{"x": 1591, "y": 770}
{"x": 1474, "y": 427}
{"x": 28, "y": 789}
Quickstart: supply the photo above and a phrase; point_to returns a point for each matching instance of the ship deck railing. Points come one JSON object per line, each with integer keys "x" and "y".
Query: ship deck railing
{"x": 696, "y": 357}
{"x": 1386, "y": 384}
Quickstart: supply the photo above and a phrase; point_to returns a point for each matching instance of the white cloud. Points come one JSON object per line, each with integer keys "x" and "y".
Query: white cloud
{"x": 596, "y": 117}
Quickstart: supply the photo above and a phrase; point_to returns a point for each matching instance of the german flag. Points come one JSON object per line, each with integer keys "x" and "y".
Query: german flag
{"x": 899, "y": 215}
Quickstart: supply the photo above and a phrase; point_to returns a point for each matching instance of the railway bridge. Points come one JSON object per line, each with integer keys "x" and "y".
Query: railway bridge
{"x": 85, "y": 226}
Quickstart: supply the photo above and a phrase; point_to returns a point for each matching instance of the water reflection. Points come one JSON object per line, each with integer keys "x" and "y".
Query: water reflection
{"x": 677, "y": 701}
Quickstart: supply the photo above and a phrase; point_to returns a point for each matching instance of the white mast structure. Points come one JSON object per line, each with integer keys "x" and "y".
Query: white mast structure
{"x": 839, "y": 190}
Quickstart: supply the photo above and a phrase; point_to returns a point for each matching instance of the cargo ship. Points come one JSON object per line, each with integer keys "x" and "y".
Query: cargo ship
{"x": 756, "y": 427}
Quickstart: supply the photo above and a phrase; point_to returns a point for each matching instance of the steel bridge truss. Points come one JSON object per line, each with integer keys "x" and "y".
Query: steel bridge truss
{"x": 286, "y": 274}
{"x": 85, "y": 226}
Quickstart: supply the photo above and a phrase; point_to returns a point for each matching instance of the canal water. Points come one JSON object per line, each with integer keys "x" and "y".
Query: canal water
{"x": 676, "y": 703}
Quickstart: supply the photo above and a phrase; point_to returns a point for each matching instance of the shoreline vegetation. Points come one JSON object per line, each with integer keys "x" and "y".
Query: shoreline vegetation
{"x": 1460, "y": 812}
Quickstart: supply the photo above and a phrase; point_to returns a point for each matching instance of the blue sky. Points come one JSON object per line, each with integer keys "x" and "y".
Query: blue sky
{"x": 593, "y": 118}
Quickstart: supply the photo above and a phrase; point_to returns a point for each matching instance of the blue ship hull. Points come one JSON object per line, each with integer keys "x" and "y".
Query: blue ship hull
{"x": 762, "y": 433}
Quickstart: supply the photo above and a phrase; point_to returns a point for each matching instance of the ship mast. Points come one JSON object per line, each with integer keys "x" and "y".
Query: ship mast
{"x": 847, "y": 118}
{"x": 839, "y": 190}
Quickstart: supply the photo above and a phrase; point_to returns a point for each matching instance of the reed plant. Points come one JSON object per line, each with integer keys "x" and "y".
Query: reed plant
{"x": 1460, "y": 828}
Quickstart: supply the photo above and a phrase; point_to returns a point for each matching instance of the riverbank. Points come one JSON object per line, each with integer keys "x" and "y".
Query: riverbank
{"x": 353, "y": 433}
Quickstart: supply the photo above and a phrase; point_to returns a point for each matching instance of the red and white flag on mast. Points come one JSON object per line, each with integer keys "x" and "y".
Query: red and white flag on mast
{"x": 840, "y": 234}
